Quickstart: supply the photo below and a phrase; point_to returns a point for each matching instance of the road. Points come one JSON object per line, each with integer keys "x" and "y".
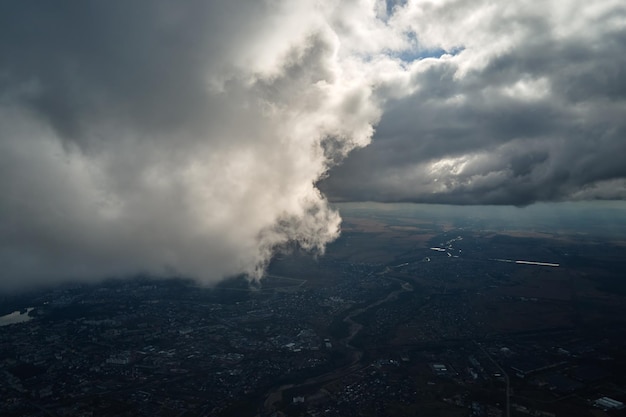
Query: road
{"x": 506, "y": 380}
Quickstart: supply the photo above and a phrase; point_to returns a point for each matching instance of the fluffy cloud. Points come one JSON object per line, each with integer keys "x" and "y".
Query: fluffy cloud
{"x": 505, "y": 103}
{"x": 171, "y": 138}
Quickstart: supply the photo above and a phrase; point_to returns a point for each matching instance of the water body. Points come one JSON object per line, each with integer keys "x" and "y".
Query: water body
{"x": 16, "y": 317}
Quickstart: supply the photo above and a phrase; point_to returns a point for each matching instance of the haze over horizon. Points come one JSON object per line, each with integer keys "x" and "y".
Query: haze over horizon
{"x": 189, "y": 138}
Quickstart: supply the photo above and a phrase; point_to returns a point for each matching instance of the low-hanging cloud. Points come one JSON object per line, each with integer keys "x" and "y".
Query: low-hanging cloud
{"x": 170, "y": 138}
{"x": 187, "y": 138}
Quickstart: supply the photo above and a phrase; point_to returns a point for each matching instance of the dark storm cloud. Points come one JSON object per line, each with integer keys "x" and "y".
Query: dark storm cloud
{"x": 531, "y": 109}
{"x": 146, "y": 57}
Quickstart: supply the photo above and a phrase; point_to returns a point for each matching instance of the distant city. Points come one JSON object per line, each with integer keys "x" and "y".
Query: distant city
{"x": 399, "y": 318}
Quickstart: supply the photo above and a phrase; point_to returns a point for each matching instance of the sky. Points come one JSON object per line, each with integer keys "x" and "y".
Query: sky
{"x": 197, "y": 138}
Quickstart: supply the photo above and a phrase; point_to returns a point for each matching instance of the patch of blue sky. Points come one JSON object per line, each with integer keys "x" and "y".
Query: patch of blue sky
{"x": 392, "y": 5}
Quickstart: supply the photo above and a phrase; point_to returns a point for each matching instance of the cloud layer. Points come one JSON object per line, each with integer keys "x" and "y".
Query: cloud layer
{"x": 505, "y": 103}
{"x": 187, "y": 138}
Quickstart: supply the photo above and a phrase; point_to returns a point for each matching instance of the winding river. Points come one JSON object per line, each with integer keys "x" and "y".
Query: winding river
{"x": 276, "y": 393}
